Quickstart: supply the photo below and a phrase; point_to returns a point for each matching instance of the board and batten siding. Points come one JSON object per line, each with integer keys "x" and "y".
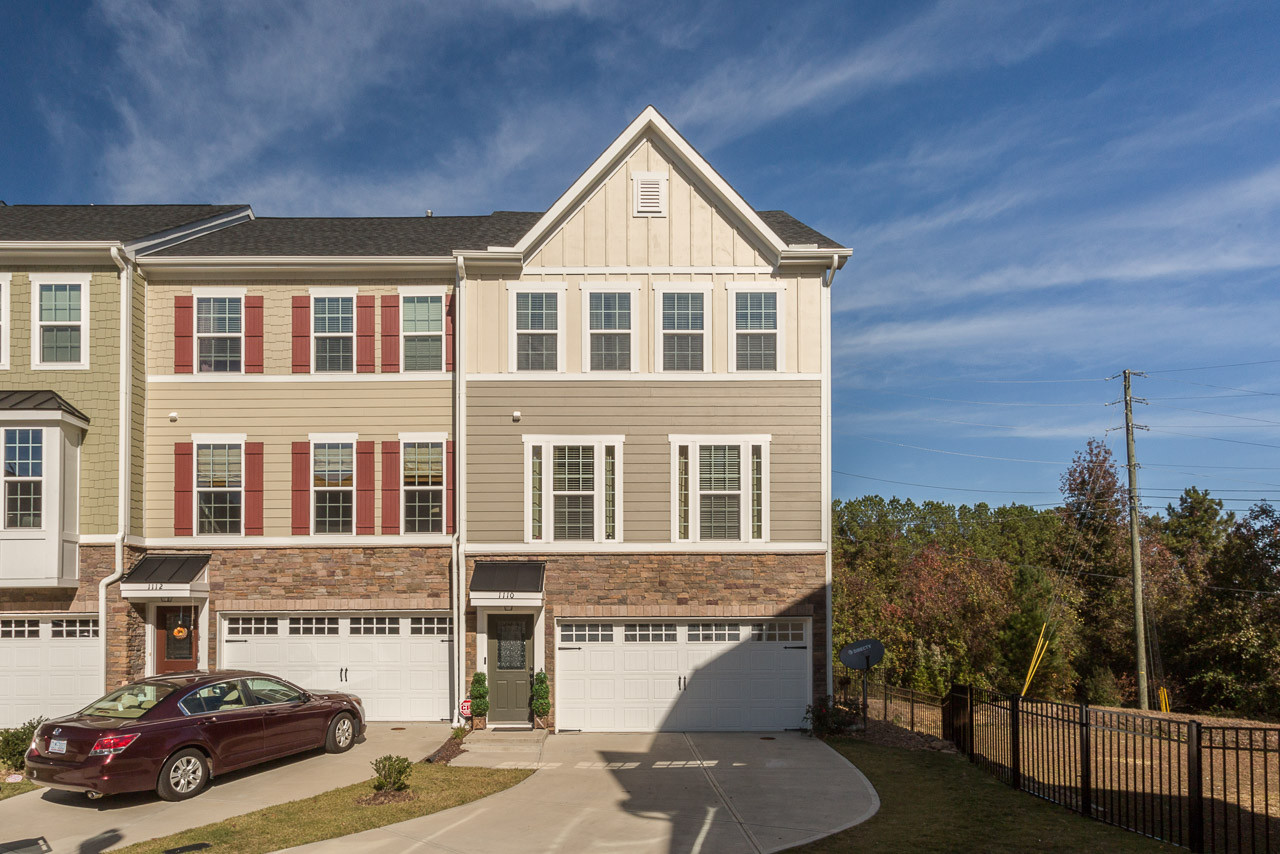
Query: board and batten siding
{"x": 278, "y": 414}
{"x": 645, "y": 413}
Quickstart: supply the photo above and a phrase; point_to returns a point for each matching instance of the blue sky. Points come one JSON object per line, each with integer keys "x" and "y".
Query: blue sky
{"x": 1033, "y": 191}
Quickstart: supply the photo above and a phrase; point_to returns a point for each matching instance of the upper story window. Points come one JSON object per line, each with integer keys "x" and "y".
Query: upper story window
{"x": 682, "y": 330}
{"x": 333, "y": 488}
{"x": 422, "y": 328}
{"x": 609, "y": 325}
{"x": 219, "y": 488}
{"x": 537, "y": 331}
{"x": 60, "y": 311}
{"x": 423, "y": 487}
{"x": 574, "y": 489}
{"x": 5, "y": 293}
{"x": 23, "y": 477}
{"x": 219, "y": 334}
{"x": 720, "y": 488}
{"x": 756, "y": 331}
{"x": 333, "y": 334}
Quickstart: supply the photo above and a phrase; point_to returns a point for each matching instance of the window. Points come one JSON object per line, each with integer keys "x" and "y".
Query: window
{"x": 270, "y": 692}
{"x": 333, "y": 489}
{"x": 219, "y": 697}
{"x": 5, "y": 293}
{"x": 19, "y": 629}
{"x": 23, "y": 477}
{"x": 79, "y": 627}
{"x": 60, "y": 310}
{"x": 579, "y": 479}
{"x": 682, "y": 330}
{"x": 713, "y": 632}
{"x": 333, "y": 330}
{"x": 608, "y": 331}
{"x": 719, "y": 487}
{"x": 219, "y": 330}
{"x": 422, "y": 327}
{"x": 313, "y": 625}
{"x": 240, "y": 626}
{"x": 755, "y": 323}
{"x": 375, "y": 625}
{"x": 537, "y": 332}
{"x": 423, "y": 487}
{"x": 219, "y": 488}
{"x": 431, "y": 626}
{"x": 649, "y": 193}
{"x": 778, "y": 632}
{"x": 586, "y": 633}
{"x": 649, "y": 633}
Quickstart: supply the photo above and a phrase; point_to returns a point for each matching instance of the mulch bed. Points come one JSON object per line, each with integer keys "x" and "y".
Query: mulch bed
{"x": 447, "y": 752}
{"x": 385, "y": 797}
{"x": 883, "y": 733}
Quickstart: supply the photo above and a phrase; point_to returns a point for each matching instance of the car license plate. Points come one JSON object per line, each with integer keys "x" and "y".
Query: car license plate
{"x": 57, "y": 745}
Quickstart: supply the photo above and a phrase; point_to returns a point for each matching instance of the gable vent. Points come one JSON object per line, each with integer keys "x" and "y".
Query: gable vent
{"x": 650, "y": 193}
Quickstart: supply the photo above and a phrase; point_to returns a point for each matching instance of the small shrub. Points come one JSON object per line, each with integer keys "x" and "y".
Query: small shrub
{"x": 540, "y": 696}
{"x": 14, "y": 744}
{"x": 393, "y": 773}
{"x": 459, "y": 733}
{"x": 479, "y": 695}
{"x": 1101, "y": 688}
{"x": 826, "y": 718}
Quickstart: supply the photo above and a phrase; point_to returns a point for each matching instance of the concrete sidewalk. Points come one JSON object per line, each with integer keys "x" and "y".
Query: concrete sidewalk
{"x": 54, "y": 822}
{"x": 701, "y": 793}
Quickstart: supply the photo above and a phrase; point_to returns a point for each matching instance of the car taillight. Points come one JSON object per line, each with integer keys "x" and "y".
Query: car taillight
{"x": 112, "y": 744}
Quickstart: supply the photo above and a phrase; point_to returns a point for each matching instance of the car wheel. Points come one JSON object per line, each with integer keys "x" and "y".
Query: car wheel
{"x": 183, "y": 775}
{"x": 342, "y": 734}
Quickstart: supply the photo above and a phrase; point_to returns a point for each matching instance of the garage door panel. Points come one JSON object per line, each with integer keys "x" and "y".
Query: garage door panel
{"x": 48, "y": 674}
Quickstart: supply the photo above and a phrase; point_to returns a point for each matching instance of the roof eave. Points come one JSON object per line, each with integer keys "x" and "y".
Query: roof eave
{"x": 57, "y": 251}
{"x": 286, "y": 266}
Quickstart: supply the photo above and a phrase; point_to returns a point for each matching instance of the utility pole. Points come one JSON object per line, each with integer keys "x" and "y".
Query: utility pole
{"x": 1135, "y": 548}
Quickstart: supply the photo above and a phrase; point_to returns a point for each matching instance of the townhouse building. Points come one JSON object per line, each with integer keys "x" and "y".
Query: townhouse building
{"x": 382, "y": 454}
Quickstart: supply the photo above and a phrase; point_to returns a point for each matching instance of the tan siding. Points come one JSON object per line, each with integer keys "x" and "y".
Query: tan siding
{"x": 645, "y": 412}
{"x": 278, "y": 414}
{"x": 137, "y": 486}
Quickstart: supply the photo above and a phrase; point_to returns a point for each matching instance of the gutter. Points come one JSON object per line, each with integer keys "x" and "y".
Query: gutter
{"x": 835, "y": 263}
{"x": 459, "y": 487}
{"x": 124, "y": 432}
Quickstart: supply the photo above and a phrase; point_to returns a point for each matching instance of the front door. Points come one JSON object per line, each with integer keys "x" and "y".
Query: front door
{"x": 510, "y": 667}
{"x": 177, "y": 638}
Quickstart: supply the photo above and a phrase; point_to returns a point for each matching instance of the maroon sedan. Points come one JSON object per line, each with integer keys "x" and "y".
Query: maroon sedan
{"x": 173, "y": 733}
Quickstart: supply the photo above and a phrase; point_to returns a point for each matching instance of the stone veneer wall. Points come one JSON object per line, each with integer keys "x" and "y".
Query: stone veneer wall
{"x": 676, "y": 585}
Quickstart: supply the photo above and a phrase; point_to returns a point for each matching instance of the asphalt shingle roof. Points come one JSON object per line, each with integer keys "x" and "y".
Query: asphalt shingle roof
{"x": 794, "y": 232}
{"x": 12, "y": 400}
{"x": 100, "y": 222}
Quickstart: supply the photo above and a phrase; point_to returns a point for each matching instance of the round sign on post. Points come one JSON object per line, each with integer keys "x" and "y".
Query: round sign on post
{"x": 466, "y": 708}
{"x": 862, "y": 655}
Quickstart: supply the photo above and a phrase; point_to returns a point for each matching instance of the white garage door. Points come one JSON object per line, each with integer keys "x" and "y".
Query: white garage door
{"x": 48, "y": 667}
{"x": 400, "y": 665}
{"x": 650, "y": 676}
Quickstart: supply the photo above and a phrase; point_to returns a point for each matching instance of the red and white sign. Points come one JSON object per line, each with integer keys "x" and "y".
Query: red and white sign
{"x": 466, "y": 708}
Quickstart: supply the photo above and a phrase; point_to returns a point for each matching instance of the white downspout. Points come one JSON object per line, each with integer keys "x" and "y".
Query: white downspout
{"x": 124, "y": 431}
{"x": 826, "y": 460}
{"x": 459, "y": 487}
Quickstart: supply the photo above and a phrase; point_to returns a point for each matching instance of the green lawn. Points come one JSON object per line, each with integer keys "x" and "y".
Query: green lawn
{"x": 940, "y": 802}
{"x": 336, "y": 813}
{"x": 8, "y": 790}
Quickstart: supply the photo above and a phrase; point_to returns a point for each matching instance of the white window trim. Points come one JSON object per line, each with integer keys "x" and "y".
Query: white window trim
{"x": 561, "y": 289}
{"x": 330, "y": 439}
{"x": 332, "y": 293}
{"x": 663, "y": 180}
{"x": 707, "y": 323}
{"x": 410, "y": 438}
{"x": 735, "y": 288}
{"x": 209, "y": 292}
{"x": 744, "y": 442}
{"x": 6, "y": 317}
{"x": 198, "y": 439}
{"x": 38, "y": 279}
{"x": 589, "y": 288}
{"x": 547, "y": 444}
{"x": 441, "y": 291}
{"x": 45, "y": 503}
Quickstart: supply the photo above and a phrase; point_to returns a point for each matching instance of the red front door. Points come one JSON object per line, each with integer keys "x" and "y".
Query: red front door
{"x": 177, "y": 638}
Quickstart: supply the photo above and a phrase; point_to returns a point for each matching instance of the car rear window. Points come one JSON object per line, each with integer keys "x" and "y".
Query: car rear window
{"x": 131, "y": 701}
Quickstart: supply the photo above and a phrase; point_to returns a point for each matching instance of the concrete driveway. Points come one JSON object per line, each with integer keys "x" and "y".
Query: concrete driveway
{"x": 51, "y": 821}
{"x": 696, "y": 793}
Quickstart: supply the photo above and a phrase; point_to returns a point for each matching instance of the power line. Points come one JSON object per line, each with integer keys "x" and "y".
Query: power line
{"x": 974, "y": 402}
{"x": 1215, "y": 367}
{"x": 959, "y": 453}
{"x": 1214, "y": 438}
{"x": 949, "y": 488}
{"x": 1217, "y": 414}
{"x": 1251, "y": 391}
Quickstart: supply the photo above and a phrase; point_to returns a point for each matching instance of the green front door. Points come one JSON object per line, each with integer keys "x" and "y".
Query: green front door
{"x": 510, "y": 667}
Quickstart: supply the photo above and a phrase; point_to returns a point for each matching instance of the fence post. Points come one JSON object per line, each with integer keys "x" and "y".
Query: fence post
{"x": 913, "y": 709}
{"x": 1015, "y": 744}
{"x": 1195, "y": 789}
{"x": 886, "y": 702}
{"x": 969, "y": 734}
{"x": 1086, "y": 764}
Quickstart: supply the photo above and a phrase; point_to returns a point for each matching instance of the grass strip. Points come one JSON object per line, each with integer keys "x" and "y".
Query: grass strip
{"x": 336, "y": 813}
{"x": 8, "y": 790}
{"x": 940, "y": 802}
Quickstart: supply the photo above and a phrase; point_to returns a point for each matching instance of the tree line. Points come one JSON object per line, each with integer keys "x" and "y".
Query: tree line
{"x": 961, "y": 594}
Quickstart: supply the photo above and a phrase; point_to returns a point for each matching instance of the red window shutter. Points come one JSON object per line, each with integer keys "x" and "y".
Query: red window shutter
{"x": 364, "y": 486}
{"x": 448, "y": 332}
{"x": 253, "y": 488}
{"x": 366, "y": 314}
{"x": 183, "y": 333}
{"x": 390, "y": 334}
{"x": 390, "y": 484}
{"x": 183, "y": 481}
{"x": 301, "y": 488}
{"x": 448, "y": 486}
{"x": 301, "y": 334}
{"x": 253, "y": 334}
